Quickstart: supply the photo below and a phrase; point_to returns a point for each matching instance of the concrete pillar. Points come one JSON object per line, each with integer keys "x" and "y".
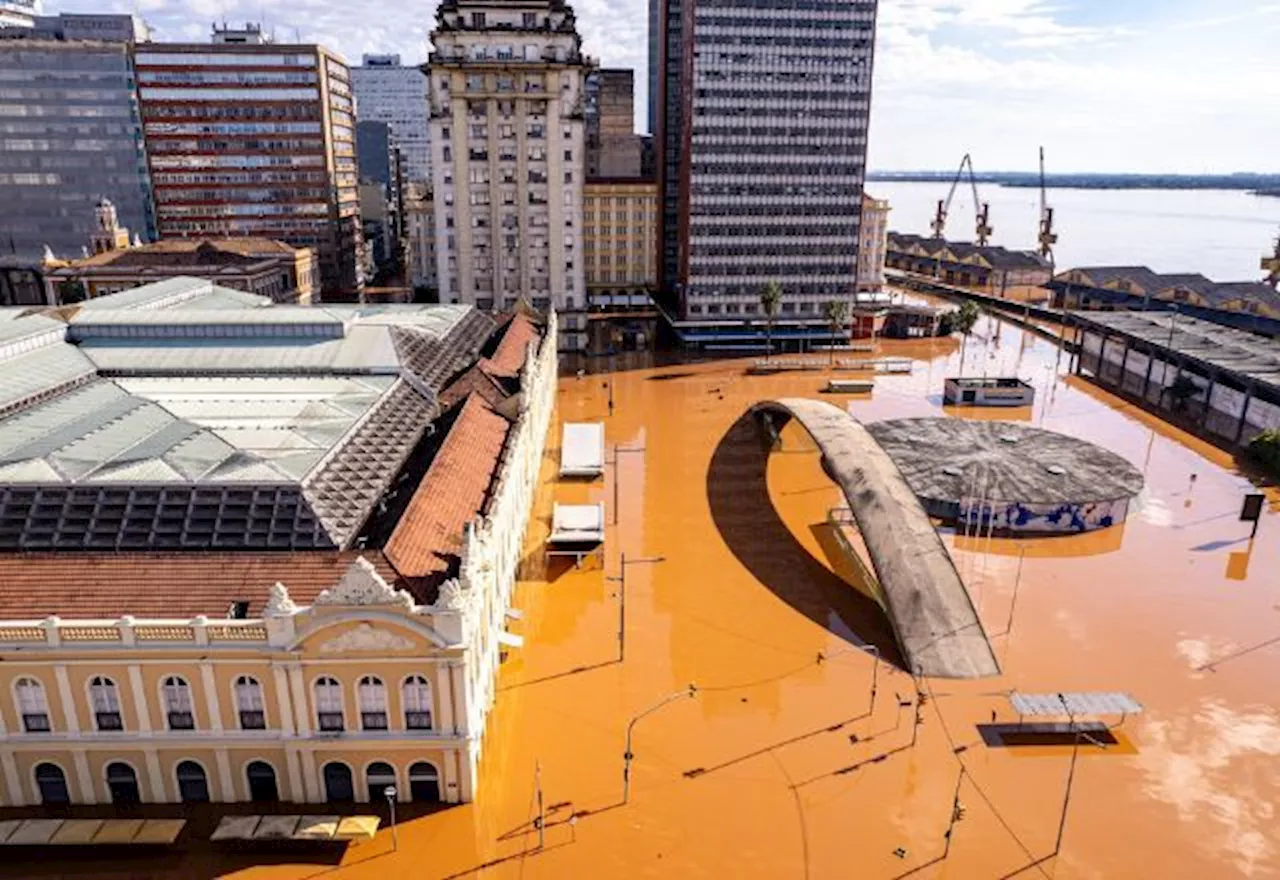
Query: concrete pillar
{"x": 159, "y": 793}
{"x": 68, "y": 700}
{"x": 297, "y": 793}
{"x": 1244, "y": 414}
{"x": 88, "y": 792}
{"x": 139, "y": 692}
{"x": 211, "y": 696}
{"x": 442, "y": 717}
{"x": 284, "y": 706}
{"x": 301, "y": 705}
{"x": 223, "y": 760}
{"x": 14, "y": 795}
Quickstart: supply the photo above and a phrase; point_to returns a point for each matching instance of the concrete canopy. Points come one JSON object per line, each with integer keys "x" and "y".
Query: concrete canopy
{"x": 929, "y": 608}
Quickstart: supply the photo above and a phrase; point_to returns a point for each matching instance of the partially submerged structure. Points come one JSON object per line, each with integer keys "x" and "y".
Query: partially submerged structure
{"x": 287, "y": 537}
{"x": 987, "y": 391}
{"x": 1005, "y": 476}
{"x": 930, "y": 610}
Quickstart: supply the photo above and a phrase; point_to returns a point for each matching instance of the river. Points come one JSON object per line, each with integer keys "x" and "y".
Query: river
{"x": 1219, "y": 233}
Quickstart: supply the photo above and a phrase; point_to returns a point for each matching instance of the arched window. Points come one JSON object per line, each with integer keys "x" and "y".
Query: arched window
{"x": 262, "y": 782}
{"x": 417, "y": 703}
{"x": 32, "y": 707}
{"x": 177, "y": 703}
{"x": 424, "y": 782}
{"x": 249, "y": 704}
{"x": 52, "y": 783}
{"x": 372, "y": 694}
{"x": 338, "y": 785}
{"x": 193, "y": 784}
{"x": 379, "y": 777}
{"x": 123, "y": 784}
{"x": 106, "y": 703}
{"x": 329, "y": 704}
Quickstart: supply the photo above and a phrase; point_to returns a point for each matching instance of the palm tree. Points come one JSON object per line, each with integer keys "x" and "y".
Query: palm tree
{"x": 837, "y": 311}
{"x": 963, "y": 321}
{"x": 770, "y": 300}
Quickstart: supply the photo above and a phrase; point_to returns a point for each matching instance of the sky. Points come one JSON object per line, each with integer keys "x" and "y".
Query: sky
{"x": 1189, "y": 86}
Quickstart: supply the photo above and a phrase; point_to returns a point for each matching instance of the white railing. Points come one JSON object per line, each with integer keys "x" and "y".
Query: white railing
{"x": 55, "y": 632}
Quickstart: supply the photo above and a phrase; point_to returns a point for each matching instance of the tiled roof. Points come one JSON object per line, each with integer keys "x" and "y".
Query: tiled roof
{"x": 177, "y": 584}
{"x": 474, "y": 381}
{"x": 453, "y": 492}
{"x": 509, "y": 357}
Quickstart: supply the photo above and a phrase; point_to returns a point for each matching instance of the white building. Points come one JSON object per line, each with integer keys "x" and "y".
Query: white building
{"x": 388, "y": 92}
{"x": 507, "y": 142}
{"x": 874, "y": 244}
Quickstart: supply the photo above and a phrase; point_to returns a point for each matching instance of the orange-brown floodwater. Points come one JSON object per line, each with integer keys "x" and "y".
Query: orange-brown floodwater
{"x": 779, "y": 768}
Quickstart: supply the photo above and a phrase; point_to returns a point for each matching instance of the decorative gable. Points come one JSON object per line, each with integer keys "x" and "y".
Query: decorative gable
{"x": 362, "y": 585}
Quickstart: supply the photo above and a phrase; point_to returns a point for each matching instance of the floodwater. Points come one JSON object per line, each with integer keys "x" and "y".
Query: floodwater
{"x": 781, "y": 766}
{"x": 1220, "y": 233}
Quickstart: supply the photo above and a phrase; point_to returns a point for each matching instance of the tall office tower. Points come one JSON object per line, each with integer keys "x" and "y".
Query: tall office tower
{"x": 613, "y": 147}
{"x": 507, "y": 146}
{"x": 387, "y": 92}
{"x": 250, "y": 138}
{"x": 18, "y": 13}
{"x": 70, "y": 135}
{"x": 762, "y": 146}
{"x": 655, "y": 64}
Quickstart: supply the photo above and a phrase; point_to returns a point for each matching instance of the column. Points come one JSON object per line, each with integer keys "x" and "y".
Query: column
{"x": 224, "y": 775}
{"x": 13, "y": 783}
{"x": 297, "y": 793}
{"x": 1244, "y": 414}
{"x": 211, "y": 696}
{"x": 152, "y": 758}
{"x": 139, "y": 698}
{"x": 443, "y": 695}
{"x": 284, "y": 706}
{"x": 311, "y": 777}
{"x": 298, "y": 693}
{"x": 68, "y": 700}
{"x": 88, "y": 794}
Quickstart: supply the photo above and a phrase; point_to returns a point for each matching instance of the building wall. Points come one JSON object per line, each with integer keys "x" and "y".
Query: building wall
{"x": 360, "y": 627}
{"x": 507, "y": 145}
{"x": 764, "y": 113}
{"x": 70, "y": 135}
{"x": 620, "y": 232}
{"x": 874, "y": 244}
{"x": 420, "y": 222}
{"x": 255, "y": 140}
{"x": 390, "y": 93}
{"x": 613, "y": 147}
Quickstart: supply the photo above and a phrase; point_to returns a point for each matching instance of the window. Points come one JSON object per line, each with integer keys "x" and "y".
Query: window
{"x": 105, "y": 700}
{"x": 529, "y": 19}
{"x": 249, "y": 706}
{"x": 477, "y": 19}
{"x": 52, "y": 783}
{"x": 328, "y": 704}
{"x": 32, "y": 706}
{"x": 177, "y": 703}
{"x": 193, "y": 784}
{"x": 417, "y": 703}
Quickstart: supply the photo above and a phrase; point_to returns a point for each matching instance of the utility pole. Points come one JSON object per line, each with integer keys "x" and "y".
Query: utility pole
{"x": 628, "y": 756}
{"x": 542, "y": 813}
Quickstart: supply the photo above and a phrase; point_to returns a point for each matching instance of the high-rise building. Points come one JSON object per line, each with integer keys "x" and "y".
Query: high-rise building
{"x": 70, "y": 135}
{"x": 613, "y": 147}
{"x": 761, "y": 151}
{"x": 19, "y": 13}
{"x": 507, "y": 140}
{"x": 874, "y": 245}
{"x": 248, "y": 138}
{"x": 396, "y": 95}
{"x": 108, "y": 26}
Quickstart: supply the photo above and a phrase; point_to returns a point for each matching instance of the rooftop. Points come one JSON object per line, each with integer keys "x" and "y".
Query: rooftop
{"x": 136, "y": 405}
{"x": 173, "y": 253}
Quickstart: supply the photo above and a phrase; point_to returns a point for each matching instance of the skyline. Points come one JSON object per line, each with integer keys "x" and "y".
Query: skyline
{"x": 1101, "y": 87}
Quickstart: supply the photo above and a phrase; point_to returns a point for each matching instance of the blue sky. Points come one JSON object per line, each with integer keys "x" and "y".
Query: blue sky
{"x": 1104, "y": 85}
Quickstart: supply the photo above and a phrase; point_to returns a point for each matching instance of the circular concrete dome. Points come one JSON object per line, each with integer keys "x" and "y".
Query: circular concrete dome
{"x": 1009, "y": 475}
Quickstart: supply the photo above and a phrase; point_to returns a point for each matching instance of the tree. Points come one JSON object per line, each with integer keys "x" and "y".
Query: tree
{"x": 837, "y": 311}
{"x": 770, "y": 301}
{"x": 963, "y": 321}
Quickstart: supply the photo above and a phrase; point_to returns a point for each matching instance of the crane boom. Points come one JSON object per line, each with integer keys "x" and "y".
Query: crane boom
{"x": 982, "y": 210}
{"x": 1047, "y": 238}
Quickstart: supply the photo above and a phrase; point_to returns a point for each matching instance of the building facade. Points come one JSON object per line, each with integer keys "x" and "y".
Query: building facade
{"x": 70, "y": 135}
{"x": 613, "y": 147}
{"x": 620, "y": 223}
{"x": 874, "y": 245}
{"x": 272, "y": 269}
{"x": 763, "y": 111}
{"x": 420, "y": 231}
{"x": 508, "y": 141}
{"x": 390, "y": 93}
{"x": 254, "y": 139}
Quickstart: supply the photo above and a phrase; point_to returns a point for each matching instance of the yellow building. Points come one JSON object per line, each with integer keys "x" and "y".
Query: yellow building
{"x": 620, "y": 218}
{"x": 360, "y": 654}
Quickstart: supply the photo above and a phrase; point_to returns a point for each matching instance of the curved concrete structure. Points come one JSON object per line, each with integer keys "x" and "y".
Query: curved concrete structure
{"x": 928, "y": 606}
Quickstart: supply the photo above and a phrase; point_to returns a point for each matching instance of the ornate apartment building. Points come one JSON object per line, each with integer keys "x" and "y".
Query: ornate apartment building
{"x": 508, "y": 147}
{"x": 166, "y": 652}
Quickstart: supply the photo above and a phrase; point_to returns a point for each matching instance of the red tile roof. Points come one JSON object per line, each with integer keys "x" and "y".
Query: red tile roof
{"x": 429, "y": 534}
{"x": 509, "y": 357}
{"x": 475, "y": 380}
{"x": 177, "y": 584}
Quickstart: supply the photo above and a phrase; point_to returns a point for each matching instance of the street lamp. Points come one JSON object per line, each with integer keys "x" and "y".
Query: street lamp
{"x": 628, "y": 756}
{"x": 390, "y": 793}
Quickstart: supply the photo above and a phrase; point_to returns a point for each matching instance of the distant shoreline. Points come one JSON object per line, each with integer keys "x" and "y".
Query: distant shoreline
{"x": 1256, "y": 184}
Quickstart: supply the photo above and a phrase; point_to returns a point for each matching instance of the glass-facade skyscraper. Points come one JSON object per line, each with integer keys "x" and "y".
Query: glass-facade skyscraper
{"x": 70, "y": 135}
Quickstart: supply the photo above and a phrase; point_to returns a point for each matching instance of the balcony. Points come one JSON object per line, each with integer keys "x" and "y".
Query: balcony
{"x": 253, "y": 719}
{"x": 373, "y": 720}
{"x": 35, "y": 722}
{"x": 417, "y": 720}
{"x": 330, "y": 722}
{"x": 109, "y": 720}
{"x": 182, "y": 721}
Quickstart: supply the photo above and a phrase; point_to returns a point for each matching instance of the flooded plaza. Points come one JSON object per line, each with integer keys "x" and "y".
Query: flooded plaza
{"x": 804, "y": 755}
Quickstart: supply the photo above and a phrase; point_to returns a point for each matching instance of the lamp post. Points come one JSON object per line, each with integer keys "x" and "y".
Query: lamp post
{"x": 628, "y": 756}
{"x": 390, "y": 794}
{"x": 622, "y": 600}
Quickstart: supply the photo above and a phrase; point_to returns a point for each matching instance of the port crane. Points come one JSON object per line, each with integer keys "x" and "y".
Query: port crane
{"x": 1047, "y": 238}
{"x": 1271, "y": 265}
{"x": 982, "y": 210}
